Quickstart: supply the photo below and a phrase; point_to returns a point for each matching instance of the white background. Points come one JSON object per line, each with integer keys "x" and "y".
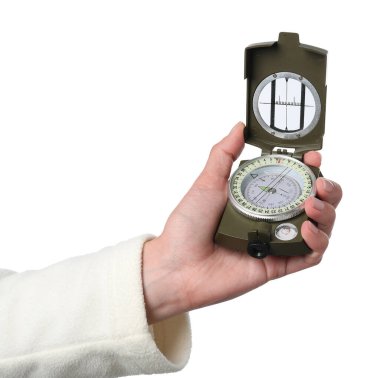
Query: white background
{"x": 107, "y": 114}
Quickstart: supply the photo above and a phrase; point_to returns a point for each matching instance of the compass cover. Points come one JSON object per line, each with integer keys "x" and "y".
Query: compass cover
{"x": 286, "y": 83}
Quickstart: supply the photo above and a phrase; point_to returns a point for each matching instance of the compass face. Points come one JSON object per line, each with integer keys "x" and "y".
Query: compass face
{"x": 271, "y": 187}
{"x": 287, "y": 105}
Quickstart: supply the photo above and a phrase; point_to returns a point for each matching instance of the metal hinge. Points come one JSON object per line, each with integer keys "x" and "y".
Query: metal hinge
{"x": 283, "y": 151}
{"x": 292, "y": 152}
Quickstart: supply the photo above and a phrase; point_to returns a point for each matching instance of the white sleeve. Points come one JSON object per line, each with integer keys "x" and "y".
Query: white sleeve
{"x": 85, "y": 317}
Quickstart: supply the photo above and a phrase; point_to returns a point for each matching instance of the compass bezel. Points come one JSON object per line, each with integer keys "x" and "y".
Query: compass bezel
{"x": 275, "y": 214}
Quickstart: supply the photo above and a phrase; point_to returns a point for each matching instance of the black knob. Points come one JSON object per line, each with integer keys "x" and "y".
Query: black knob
{"x": 259, "y": 250}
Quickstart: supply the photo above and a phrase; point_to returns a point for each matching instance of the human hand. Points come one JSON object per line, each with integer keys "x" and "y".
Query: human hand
{"x": 183, "y": 269}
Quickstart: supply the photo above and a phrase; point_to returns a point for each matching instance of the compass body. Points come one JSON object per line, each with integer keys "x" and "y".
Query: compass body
{"x": 286, "y": 97}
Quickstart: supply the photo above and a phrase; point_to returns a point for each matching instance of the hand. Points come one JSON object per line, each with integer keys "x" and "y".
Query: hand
{"x": 183, "y": 269}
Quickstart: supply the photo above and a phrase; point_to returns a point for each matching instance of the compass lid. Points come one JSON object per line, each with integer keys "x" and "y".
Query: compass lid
{"x": 286, "y": 94}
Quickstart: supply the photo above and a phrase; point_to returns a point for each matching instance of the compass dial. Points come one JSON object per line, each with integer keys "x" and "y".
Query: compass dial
{"x": 271, "y": 187}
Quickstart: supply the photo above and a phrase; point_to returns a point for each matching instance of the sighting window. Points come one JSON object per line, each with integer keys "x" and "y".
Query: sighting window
{"x": 287, "y": 105}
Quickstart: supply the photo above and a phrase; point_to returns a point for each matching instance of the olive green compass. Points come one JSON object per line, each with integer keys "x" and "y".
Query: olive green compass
{"x": 286, "y": 97}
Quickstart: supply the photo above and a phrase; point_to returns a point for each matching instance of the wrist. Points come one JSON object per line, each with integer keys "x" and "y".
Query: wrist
{"x": 161, "y": 291}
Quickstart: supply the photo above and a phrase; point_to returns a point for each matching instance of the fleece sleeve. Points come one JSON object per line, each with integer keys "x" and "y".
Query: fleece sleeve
{"x": 85, "y": 317}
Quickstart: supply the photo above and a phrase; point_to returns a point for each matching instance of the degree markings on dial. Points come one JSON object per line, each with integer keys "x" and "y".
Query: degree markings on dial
{"x": 290, "y": 165}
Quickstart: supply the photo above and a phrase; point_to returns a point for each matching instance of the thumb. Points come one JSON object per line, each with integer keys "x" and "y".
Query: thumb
{"x": 222, "y": 155}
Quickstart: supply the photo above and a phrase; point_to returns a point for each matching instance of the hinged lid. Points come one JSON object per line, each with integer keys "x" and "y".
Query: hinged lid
{"x": 286, "y": 95}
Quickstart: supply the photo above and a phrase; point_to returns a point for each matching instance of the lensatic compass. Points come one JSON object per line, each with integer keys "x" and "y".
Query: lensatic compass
{"x": 286, "y": 96}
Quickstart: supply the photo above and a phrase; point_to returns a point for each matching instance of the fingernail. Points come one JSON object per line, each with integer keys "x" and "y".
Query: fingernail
{"x": 239, "y": 124}
{"x": 313, "y": 228}
{"x": 328, "y": 185}
{"x": 318, "y": 204}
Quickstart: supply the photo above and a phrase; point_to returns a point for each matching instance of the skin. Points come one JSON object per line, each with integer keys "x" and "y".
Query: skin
{"x": 183, "y": 269}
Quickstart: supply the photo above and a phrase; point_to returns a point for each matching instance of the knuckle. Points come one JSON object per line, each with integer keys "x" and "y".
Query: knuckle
{"x": 329, "y": 215}
{"x": 338, "y": 191}
{"x": 318, "y": 258}
{"x": 315, "y": 258}
{"x": 215, "y": 148}
{"x": 337, "y": 188}
{"x": 323, "y": 242}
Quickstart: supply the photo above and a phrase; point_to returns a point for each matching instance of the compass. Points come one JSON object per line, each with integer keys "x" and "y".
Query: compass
{"x": 271, "y": 188}
{"x": 286, "y": 97}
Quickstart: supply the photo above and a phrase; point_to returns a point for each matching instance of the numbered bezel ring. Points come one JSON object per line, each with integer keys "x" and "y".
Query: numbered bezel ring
{"x": 269, "y": 217}
{"x": 274, "y": 131}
